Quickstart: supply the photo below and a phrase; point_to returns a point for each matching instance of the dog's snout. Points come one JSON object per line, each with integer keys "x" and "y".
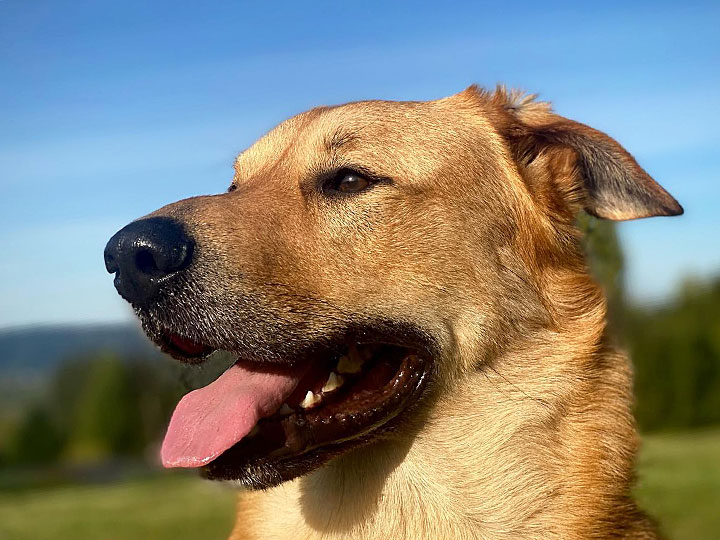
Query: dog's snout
{"x": 145, "y": 254}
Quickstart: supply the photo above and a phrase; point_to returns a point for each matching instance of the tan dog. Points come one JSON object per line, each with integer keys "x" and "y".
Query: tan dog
{"x": 421, "y": 351}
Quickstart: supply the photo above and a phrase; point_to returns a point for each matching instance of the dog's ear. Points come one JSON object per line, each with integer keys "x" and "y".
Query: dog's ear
{"x": 588, "y": 168}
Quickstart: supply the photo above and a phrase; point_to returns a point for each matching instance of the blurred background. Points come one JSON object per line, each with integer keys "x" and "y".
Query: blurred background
{"x": 113, "y": 109}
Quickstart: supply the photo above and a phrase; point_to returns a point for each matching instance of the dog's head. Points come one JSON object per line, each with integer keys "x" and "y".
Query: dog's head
{"x": 365, "y": 257}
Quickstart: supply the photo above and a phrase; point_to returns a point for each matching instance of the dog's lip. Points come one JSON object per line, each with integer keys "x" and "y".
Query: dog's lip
{"x": 184, "y": 348}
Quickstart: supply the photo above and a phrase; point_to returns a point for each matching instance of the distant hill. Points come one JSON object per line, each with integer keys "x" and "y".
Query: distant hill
{"x": 40, "y": 349}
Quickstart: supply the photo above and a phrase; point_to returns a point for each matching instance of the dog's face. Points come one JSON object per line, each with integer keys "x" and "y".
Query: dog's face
{"x": 364, "y": 258}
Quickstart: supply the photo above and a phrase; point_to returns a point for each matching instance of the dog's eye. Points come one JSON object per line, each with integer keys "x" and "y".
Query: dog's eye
{"x": 346, "y": 181}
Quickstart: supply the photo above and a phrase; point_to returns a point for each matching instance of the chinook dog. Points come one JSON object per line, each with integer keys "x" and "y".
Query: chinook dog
{"x": 421, "y": 351}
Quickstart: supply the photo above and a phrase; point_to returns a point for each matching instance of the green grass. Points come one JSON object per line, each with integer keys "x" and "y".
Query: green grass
{"x": 166, "y": 507}
{"x": 679, "y": 485}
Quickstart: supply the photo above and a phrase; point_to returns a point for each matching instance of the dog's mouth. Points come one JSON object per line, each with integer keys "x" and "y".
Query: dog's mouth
{"x": 260, "y": 413}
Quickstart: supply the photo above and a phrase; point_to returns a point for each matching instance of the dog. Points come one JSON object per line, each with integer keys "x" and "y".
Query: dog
{"x": 421, "y": 351}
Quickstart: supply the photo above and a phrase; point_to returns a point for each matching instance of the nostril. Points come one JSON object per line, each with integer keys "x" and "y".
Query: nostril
{"x": 111, "y": 264}
{"x": 145, "y": 262}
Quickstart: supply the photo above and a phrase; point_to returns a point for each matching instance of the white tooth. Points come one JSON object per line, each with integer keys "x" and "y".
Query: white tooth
{"x": 310, "y": 400}
{"x": 254, "y": 431}
{"x": 348, "y": 364}
{"x": 285, "y": 410}
{"x": 333, "y": 383}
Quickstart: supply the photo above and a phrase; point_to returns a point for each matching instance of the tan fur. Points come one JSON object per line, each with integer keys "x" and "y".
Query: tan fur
{"x": 528, "y": 432}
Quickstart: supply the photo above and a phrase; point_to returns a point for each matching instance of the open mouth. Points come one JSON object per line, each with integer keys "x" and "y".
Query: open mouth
{"x": 279, "y": 414}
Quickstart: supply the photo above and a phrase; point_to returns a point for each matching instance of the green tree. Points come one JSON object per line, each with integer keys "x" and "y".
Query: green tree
{"x": 605, "y": 258}
{"x": 106, "y": 417}
{"x": 676, "y": 351}
{"x": 35, "y": 441}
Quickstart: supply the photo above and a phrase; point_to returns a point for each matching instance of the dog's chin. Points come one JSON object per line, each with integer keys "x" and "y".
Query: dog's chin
{"x": 355, "y": 388}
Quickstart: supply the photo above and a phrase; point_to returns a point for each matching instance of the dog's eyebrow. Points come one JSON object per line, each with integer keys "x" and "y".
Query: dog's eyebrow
{"x": 340, "y": 138}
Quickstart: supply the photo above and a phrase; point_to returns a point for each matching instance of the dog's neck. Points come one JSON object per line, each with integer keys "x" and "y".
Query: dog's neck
{"x": 542, "y": 448}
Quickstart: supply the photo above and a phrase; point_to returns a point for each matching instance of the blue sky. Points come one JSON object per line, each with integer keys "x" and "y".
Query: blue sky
{"x": 112, "y": 109}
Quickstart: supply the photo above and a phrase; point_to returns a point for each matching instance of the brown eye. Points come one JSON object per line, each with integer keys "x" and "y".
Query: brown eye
{"x": 351, "y": 183}
{"x": 347, "y": 182}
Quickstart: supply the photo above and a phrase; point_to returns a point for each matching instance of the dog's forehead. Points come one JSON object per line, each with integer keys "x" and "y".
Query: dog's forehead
{"x": 376, "y": 134}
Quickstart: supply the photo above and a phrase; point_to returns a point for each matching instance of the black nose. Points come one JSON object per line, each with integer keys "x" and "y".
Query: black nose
{"x": 145, "y": 255}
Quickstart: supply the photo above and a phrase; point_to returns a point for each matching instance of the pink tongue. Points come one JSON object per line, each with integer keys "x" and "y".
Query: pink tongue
{"x": 210, "y": 420}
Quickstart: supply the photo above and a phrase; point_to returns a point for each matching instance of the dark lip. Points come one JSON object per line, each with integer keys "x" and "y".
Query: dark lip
{"x": 168, "y": 344}
{"x": 380, "y": 331}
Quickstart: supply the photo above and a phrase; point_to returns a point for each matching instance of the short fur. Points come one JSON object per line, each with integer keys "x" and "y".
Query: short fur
{"x": 527, "y": 430}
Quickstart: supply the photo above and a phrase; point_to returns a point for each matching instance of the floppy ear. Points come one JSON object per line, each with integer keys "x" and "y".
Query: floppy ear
{"x": 589, "y": 167}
